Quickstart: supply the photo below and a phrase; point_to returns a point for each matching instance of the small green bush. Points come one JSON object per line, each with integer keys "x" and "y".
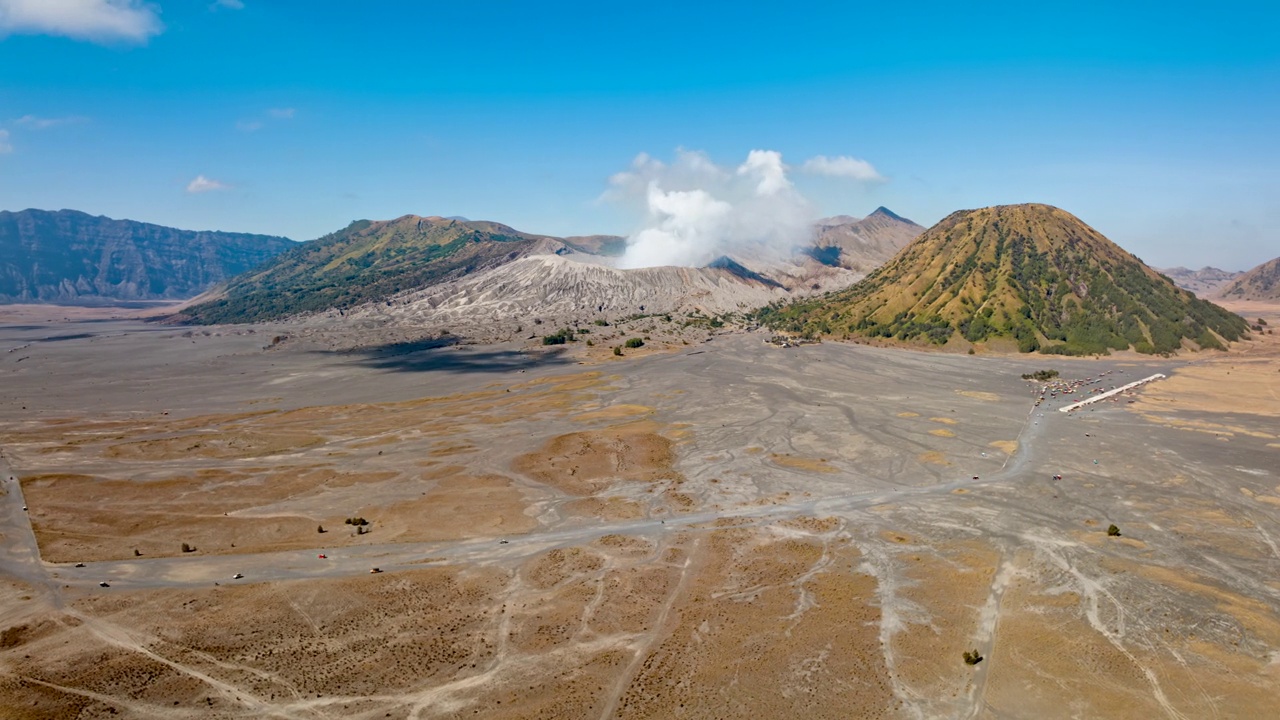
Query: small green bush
{"x": 617, "y": 351}
{"x": 563, "y": 336}
{"x": 1113, "y": 531}
{"x": 634, "y": 342}
{"x": 972, "y": 657}
{"x": 1041, "y": 375}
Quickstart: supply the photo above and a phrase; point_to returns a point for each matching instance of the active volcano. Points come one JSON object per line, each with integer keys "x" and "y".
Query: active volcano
{"x": 1028, "y": 276}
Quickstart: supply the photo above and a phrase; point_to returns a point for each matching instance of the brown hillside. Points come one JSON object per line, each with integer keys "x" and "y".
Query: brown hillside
{"x": 1260, "y": 283}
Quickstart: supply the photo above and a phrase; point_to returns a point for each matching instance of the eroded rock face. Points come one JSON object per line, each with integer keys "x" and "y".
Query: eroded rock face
{"x": 70, "y": 256}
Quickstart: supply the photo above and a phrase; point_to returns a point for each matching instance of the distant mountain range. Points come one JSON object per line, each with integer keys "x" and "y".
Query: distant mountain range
{"x": 1205, "y": 282}
{"x": 1030, "y": 276}
{"x": 372, "y": 261}
{"x": 1260, "y": 283}
{"x": 72, "y": 257}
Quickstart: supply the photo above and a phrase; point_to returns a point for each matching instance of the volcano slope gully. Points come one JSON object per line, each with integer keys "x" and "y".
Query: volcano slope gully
{"x": 733, "y": 530}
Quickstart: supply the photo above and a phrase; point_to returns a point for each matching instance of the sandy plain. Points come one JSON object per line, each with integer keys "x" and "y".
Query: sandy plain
{"x": 724, "y": 529}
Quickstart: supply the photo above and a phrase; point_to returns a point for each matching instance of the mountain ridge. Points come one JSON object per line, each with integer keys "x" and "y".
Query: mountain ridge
{"x": 368, "y": 261}
{"x": 71, "y": 256}
{"x": 1206, "y": 282}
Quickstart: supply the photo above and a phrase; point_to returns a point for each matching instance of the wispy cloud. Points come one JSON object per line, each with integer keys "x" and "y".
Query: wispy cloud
{"x": 101, "y": 21}
{"x": 842, "y": 166}
{"x": 39, "y": 123}
{"x": 203, "y": 184}
{"x": 255, "y": 124}
{"x": 5, "y": 147}
{"x": 227, "y": 5}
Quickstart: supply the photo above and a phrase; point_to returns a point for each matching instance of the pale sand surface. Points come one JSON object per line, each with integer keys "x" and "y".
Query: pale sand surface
{"x": 725, "y": 529}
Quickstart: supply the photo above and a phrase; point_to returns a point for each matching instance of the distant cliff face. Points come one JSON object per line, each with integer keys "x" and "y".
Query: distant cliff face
{"x": 70, "y": 256}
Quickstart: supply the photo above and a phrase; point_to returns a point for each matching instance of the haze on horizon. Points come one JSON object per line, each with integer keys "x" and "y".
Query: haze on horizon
{"x": 1156, "y": 126}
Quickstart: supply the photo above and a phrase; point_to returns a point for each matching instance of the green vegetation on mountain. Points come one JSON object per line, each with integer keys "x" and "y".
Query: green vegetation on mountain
{"x": 1032, "y": 275}
{"x": 364, "y": 262}
{"x": 72, "y": 257}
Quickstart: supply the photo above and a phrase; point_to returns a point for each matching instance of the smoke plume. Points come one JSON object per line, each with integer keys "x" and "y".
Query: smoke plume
{"x": 696, "y": 211}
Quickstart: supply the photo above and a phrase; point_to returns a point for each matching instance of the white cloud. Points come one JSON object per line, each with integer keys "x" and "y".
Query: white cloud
{"x": 227, "y": 5}
{"x": 5, "y": 147}
{"x": 39, "y": 123}
{"x": 203, "y": 184}
{"x": 93, "y": 20}
{"x": 696, "y": 211}
{"x": 282, "y": 113}
{"x": 842, "y": 166}
{"x": 249, "y": 125}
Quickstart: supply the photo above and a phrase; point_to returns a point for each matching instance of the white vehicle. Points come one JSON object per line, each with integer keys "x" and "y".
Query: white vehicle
{"x": 237, "y": 576}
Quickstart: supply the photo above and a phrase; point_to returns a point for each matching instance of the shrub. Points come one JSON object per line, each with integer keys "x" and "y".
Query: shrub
{"x": 972, "y": 657}
{"x": 320, "y": 529}
{"x": 634, "y": 342}
{"x": 187, "y": 548}
{"x": 602, "y": 323}
{"x": 1113, "y": 531}
{"x": 1041, "y": 375}
{"x": 563, "y": 336}
{"x": 617, "y": 351}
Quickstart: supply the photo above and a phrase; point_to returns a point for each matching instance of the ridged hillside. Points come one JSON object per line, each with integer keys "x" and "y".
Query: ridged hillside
{"x": 69, "y": 256}
{"x": 1260, "y": 283}
{"x": 367, "y": 261}
{"x": 1031, "y": 273}
{"x": 861, "y": 244}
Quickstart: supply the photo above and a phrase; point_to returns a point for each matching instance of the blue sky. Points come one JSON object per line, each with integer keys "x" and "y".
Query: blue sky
{"x": 1157, "y": 123}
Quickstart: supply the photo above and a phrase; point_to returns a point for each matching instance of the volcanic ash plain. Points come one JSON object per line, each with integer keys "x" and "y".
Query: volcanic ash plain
{"x": 726, "y": 529}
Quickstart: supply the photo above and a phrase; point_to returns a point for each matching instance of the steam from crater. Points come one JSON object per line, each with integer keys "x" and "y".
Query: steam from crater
{"x": 696, "y": 210}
